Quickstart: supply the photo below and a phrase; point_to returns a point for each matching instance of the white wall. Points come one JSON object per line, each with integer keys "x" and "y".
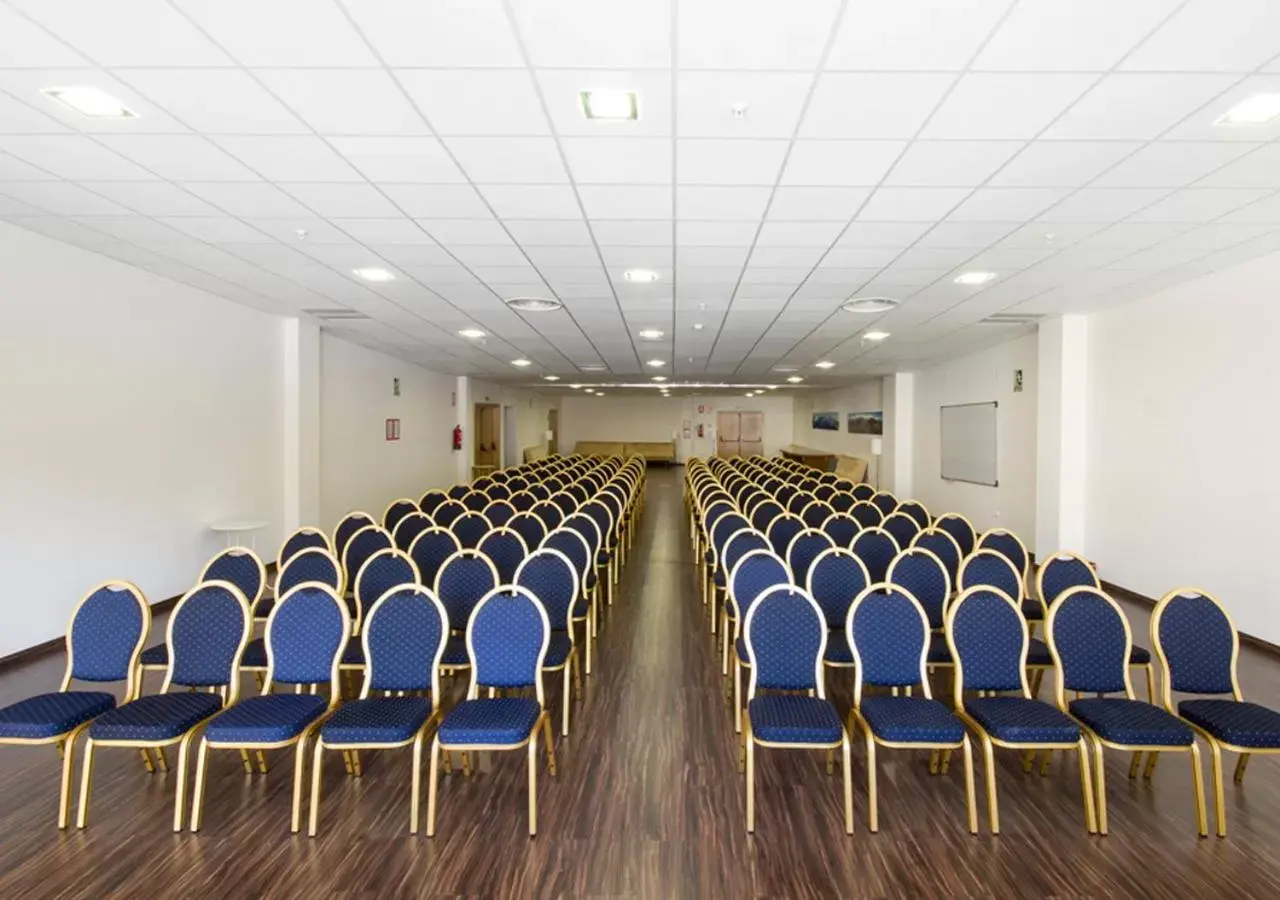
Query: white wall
{"x": 136, "y": 411}
{"x": 1184, "y": 487}
{"x": 531, "y": 413}
{"x": 976, "y": 378}
{"x": 359, "y": 467}
{"x": 864, "y": 396}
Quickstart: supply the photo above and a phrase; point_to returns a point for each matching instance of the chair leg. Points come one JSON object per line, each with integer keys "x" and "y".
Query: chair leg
{"x": 415, "y": 781}
{"x": 737, "y": 695}
{"x": 971, "y": 803}
{"x": 1219, "y": 799}
{"x": 751, "y": 780}
{"x": 86, "y": 779}
{"x": 1044, "y": 763}
{"x": 1241, "y": 764}
{"x": 1135, "y": 764}
{"x": 993, "y": 809}
{"x": 568, "y": 693}
{"x": 588, "y": 628}
{"x": 180, "y": 789}
{"x": 1086, "y": 787}
{"x": 1197, "y": 788}
{"x": 68, "y": 770}
{"x": 533, "y": 785}
{"x": 873, "y": 811}
{"x": 162, "y": 760}
{"x": 1100, "y": 776}
{"x": 197, "y": 797}
{"x": 551, "y": 749}
{"x": 248, "y": 761}
{"x": 433, "y": 779}
{"x": 299, "y": 774}
{"x": 146, "y": 760}
{"x": 262, "y": 762}
{"x": 1152, "y": 758}
{"x": 848, "y": 782}
{"x": 1151, "y": 683}
{"x": 724, "y": 641}
{"x": 317, "y": 764}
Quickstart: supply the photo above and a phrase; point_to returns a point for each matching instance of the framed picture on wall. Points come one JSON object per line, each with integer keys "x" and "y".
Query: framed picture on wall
{"x": 871, "y": 422}
{"x": 826, "y": 421}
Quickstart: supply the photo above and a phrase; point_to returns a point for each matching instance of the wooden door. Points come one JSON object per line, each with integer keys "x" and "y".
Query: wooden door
{"x": 488, "y": 435}
{"x": 553, "y": 425}
{"x": 728, "y": 431}
{"x": 751, "y": 433}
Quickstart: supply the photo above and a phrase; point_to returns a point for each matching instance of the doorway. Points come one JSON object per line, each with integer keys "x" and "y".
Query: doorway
{"x": 553, "y": 426}
{"x": 739, "y": 433}
{"x": 488, "y": 429}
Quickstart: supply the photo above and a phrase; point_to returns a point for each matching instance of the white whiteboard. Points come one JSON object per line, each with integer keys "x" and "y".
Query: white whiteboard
{"x": 969, "y": 443}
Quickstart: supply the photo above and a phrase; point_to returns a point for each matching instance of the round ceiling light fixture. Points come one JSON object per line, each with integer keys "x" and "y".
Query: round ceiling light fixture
{"x": 535, "y": 304}
{"x": 869, "y": 304}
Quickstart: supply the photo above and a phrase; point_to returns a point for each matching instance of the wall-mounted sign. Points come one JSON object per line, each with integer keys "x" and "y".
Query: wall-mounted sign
{"x": 1017, "y": 381}
{"x": 393, "y": 429}
{"x": 395, "y": 387}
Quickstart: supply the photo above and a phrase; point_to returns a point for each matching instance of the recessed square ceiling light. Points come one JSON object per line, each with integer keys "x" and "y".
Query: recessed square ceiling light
{"x": 640, "y": 276}
{"x": 659, "y": 378}
{"x": 795, "y": 379}
{"x": 592, "y": 368}
{"x": 1257, "y": 110}
{"x": 522, "y": 363}
{"x": 550, "y": 377}
{"x": 698, "y": 326}
{"x": 875, "y": 335}
{"x": 471, "y": 333}
{"x": 975, "y": 277}
{"x": 656, "y": 363}
{"x": 575, "y": 387}
{"x": 89, "y": 101}
{"x": 374, "y": 274}
{"x": 825, "y": 364}
{"x": 610, "y": 103}
{"x": 651, "y": 334}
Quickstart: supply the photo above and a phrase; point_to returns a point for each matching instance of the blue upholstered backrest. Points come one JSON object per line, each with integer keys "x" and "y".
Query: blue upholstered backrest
{"x": 740, "y": 543}
{"x": 782, "y": 531}
{"x": 943, "y": 546}
{"x": 507, "y": 638}
{"x": 804, "y": 549}
{"x": 397, "y": 511}
{"x": 601, "y": 515}
{"x": 988, "y": 636}
{"x": 885, "y": 502}
{"x": 866, "y": 514}
{"x": 902, "y": 527}
{"x": 239, "y": 566}
{"x": 925, "y": 577}
{"x": 584, "y": 526}
{"x": 550, "y": 515}
{"x": 785, "y": 636}
{"x": 346, "y": 529}
{"x": 888, "y": 636}
{"x": 764, "y": 514}
{"x": 842, "y": 501}
{"x": 876, "y": 549}
{"x": 565, "y": 502}
{"x": 404, "y": 638}
{"x": 306, "y": 633}
{"x": 498, "y": 513}
{"x": 523, "y": 501}
{"x": 299, "y": 541}
{"x": 1007, "y": 545}
{"x": 106, "y": 633}
{"x": 992, "y": 569}
{"x": 383, "y": 571}
{"x": 815, "y": 514}
{"x": 1091, "y": 640}
{"x": 363, "y": 544}
{"x": 506, "y": 551}
{"x": 1058, "y": 574}
{"x": 1199, "y": 643}
{"x": 447, "y": 513}
{"x": 863, "y": 491}
{"x": 573, "y": 545}
{"x": 469, "y": 528}
{"x": 206, "y": 633}
{"x": 475, "y": 501}
{"x": 458, "y": 491}
{"x": 754, "y": 573}
{"x": 960, "y": 529}
{"x": 429, "y": 551}
{"x": 915, "y": 510}
{"x": 725, "y": 526}
{"x": 842, "y": 529}
{"x": 835, "y": 579}
{"x": 550, "y": 576}
{"x": 498, "y": 492}
{"x": 408, "y": 529}
{"x": 799, "y": 501}
{"x": 529, "y": 527}
{"x": 464, "y": 578}
{"x": 430, "y": 501}
{"x": 309, "y": 565}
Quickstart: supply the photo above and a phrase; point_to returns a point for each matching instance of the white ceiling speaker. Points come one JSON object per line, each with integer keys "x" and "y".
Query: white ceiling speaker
{"x": 535, "y": 304}
{"x": 869, "y": 304}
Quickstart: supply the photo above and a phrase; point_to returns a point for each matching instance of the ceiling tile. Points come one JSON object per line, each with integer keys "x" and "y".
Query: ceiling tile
{"x": 840, "y": 162}
{"x": 1102, "y": 204}
{"x": 269, "y": 34}
{"x": 1199, "y": 204}
{"x": 873, "y": 105}
{"x": 1212, "y": 36}
{"x": 23, "y": 43}
{"x": 578, "y": 255}
{"x": 911, "y": 204}
{"x": 532, "y": 201}
{"x": 1084, "y": 36}
{"x": 249, "y": 199}
{"x": 551, "y": 233}
{"x": 798, "y": 234}
{"x": 716, "y": 234}
{"x": 476, "y": 101}
{"x": 439, "y": 201}
{"x": 787, "y": 257}
{"x": 154, "y": 198}
{"x": 456, "y": 33}
{"x": 809, "y": 204}
{"x": 724, "y": 257}
{"x": 455, "y": 232}
{"x": 1136, "y": 106}
{"x": 882, "y": 234}
{"x": 1260, "y": 169}
{"x": 345, "y": 101}
{"x": 773, "y": 100}
{"x": 585, "y": 33}
{"x": 968, "y": 235}
{"x": 1061, "y": 163}
{"x": 633, "y": 233}
{"x": 625, "y": 202}
{"x": 939, "y": 35}
{"x": 370, "y": 232}
{"x": 110, "y": 33}
{"x": 1202, "y": 126}
{"x": 726, "y": 162}
{"x": 179, "y": 157}
{"x": 64, "y": 199}
{"x": 1263, "y": 212}
{"x": 736, "y": 203}
{"x": 515, "y": 160}
{"x": 752, "y": 34}
{"x": 562, "y": 90}
{"x": 619, "y": 160}
{"x": 1167, "y": 164}
{"x": 399, "y": 159}
{"x": 215, "y": 101}
{"x": 843, "y": 257}
{"x": 216, "y": 228}
{"x": 1006, "y": 204}
{"x": 950, "y": 163}
{"x": 998, "y": 105}
{"x": 18, "y": 118}
{"x": 286, "y": 159}
{"x": 73, "y": 156}
{"x": 344, "y": 200}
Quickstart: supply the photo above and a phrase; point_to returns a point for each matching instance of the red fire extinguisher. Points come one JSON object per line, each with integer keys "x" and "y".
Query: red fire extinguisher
{"x": 457, "y": 437}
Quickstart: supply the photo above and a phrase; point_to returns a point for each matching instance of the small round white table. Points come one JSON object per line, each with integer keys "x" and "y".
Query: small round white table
{"x": 232, "y": 527}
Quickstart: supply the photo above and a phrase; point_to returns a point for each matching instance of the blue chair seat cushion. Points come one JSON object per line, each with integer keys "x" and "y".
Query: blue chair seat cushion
{"x": 496, "y": 720}
{"x": 155, "y": 717}
{"x": 1038, "y": 653}
{"x": 1139, "y": 656}
{"x": 794, "y": 719}
{"x": 1235, "y": 722}
{"x": 911, "y": 720}
{"x": 376, "y": 720}
{"x": 157, "y": 656}
{"x": 1019, "y": 720}
{"x": 939, "y": 653}
{"x": 268, "y": 719}
{"x": 455, "y": 651}
{"x": 255, "y": 654}
{"x": 1131, "y": 722}
{"x": 838, "y": 651}
{"x": 49, "y": 715}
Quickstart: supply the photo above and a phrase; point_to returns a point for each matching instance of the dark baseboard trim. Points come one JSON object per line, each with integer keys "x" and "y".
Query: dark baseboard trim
{"x": 1256, "y": 642}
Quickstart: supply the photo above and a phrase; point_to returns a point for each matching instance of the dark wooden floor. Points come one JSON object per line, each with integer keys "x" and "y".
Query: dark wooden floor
{"x": 648, "y": 803}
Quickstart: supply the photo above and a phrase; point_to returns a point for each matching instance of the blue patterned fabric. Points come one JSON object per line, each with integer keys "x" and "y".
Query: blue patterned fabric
{"x": 458, "y": 491}
{"x": 447, "y": 513}
{"x": 506, "y": 551}
{"x": 309, "y": 565}
{"x": 782, "y": 532}
{"x": 738, "y": 546}
{"x": 552, "y": 579}
{"x": 299, "y": 541}
{"x": 764, "y": 514}
{"x": 1021, "y": 720}
{"x": 842, "y": 529}
{"x": 268, "y": 719}
{"x": 926, "y": 578}
{"x": 804, "y": 549}
{"x": 843, "y": 502}
{"x": 499, "y": 720}
{"x": 754, "y": 574}
{"x": 890, "y": 637}
{"x": 155, "y": 657}
{"x": 397, "y": 511}
{"x": 916, "y": 511}
{"x": 364, "y": 544}
{"x": 797, "y": 503}
{"x": 911, "y": 720}
{"x": 784, "y": 634}
{"x": 499, "y": 513}
{"x": 550, "y": 515}
{"x": 866, "y": 515}
{"x": 1038, "y": 653}
{"x": 157, "y": 717}
{"x": 517, "y": 483}
{"x": 573, "y": 545}
{"x": 1235, "y": 722}
{"x": 255, "y": 655}
{"x": 540, "y": 491}
{"x": 1059, "y": 574}
{"x": 876, "y": 549}
{"x": 383, "y": 571}
{"x": 1198, "y": 641}
{"x": 430, "y": 501}
{"x": 789, "y": 719}
{"x": 1089, "y": 634}
{"x": 306, "y": 632}
{"x": 506, "y": 636}
{"x": 726, "y": 527}
{"x": 498, "y": 492}
{"x": 408, "y": 529}
{"x": 475, "y": 501}
{"x": 376, "y": 720}
{"x": 49, "y": 715}
{"x": 205, "y": 635}
{"x": 902, "y": 528}
{"x": 943, "y": 546}
{"x": 403, "y": 635}
{"x": 455, "y": 652}
{"x": 587, "y": 529}
{"x": 1008, "y": 546}
{"x": 470, "y": 529}
{"x": 430, "y": 551}
{"x": 1131, "y": 722}
{"x": 992, "y": 569}
{"x": 863, "y": 491}
{"x": 346, "y": 529}
{"x": 564, "y": 502}
{"x": 834, "y": 581}
{"x": 529, "y": 527}
{"x": 885, "y": 502}
{"x": 105, "y": 633}
{"x": 938, "y": 653}
{"x": 1033, "y": 610}
{"x": 558, "y": 647}
{"x": 463, "y": 580}
{"x": 837, "y": 651}
{"x": 960, "y": 530}
{"x": 988, "y": 634}
{"x": 600, "y": 514}
{"x": 523, "y": 501}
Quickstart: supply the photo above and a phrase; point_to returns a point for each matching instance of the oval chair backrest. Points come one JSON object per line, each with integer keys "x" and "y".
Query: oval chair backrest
{"x": 240, "y": 566}
{"x": 1089, "y": 638}
{"x": 584, "y": 526}
{"x": 470, "y": 528}
{"x": 842, "y": 502}
{"x": 408, "y": 529}
{"x": 108, "y": 628}
{"x": 498, "y": 513}
{"x": 943, "y": 546}
{"x": 506, "y": 550}
{"x": 517, "y": 483}
{"x": 842, "y": 529}
{"x": 988, "y": 639}
{"x": 429, "y": 550}
{"x": 574, "y": 546}
{"x": 824, "y": 492}
{"x": 787, "y": 491}
{"x": 458, "y": 491}
{"x": 396, "y": 511}
{"x": 799, "y": 501}
{"x": 902, "y": 527}
{"x": 599, "y": 513}
{"x": 816, "y": 513}
{"x": 782, "y": 532}
{"x": 764, "y": 514}
{"x": 992, "y": 569}
{"x": 507, "y": 638}
{"x": 786, "y": 637}
{"x": 876, "y": 548}
{"x": 725, "y": 528}
{"x": 346, "y": 528}
{"x": 447, "y": 513}
{"x": 475, "y": 501}
{"x": 529, "y": 527}
{"x": 310, "y": 565}
{"x": 1060, "y": 573}
{"x": 404, "y": 638}
{"x": 755, "y": 572}
{"x": 552, "y": 578}
{"x": 915, "y": 509}
{"x": 739, "y": 543}
{"x": 925, "y": 578}
{"x": 863, "y": 492}
{"x": 803, "y": 550}
{"x": 889, "y": 637}
{"x": 1008, "y": 545}
{"x": 207, "y": 632}
{"x": 464, "y": 578}
{"x": 363, "y": 544}
{"x": 523, "y": 501}
{"x": 549, "y": 514}
{"x": 885, "y": 502}
{"x": 565, "y": 502}
{"x": 498, "y": 492}
{"x": 431, "y": 500}
{"x": 306, "y": 635}
{"x": 540, "y": 492}
{"x": 302, "y": 539}
{"x": 867, "y": 514}
{"x": 380, "y": 573}
{"x": 960, "y": 530}
{"x": 835, "y": 579}
{"x": 1200, "y": 647}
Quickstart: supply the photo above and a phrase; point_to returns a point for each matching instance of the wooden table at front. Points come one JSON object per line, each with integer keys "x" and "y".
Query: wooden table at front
{"x": 818, "y": 459}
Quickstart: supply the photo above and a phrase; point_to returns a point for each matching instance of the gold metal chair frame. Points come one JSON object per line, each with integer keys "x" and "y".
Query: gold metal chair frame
{"x": 738, "y": 626}
{"x": 571, "y": 667}
{"x": 340, "y": 590}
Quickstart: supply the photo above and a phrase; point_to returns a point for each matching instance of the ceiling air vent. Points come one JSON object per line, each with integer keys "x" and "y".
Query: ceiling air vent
{"x": 1011, "y": 319}
{"x": 336, "y": 314}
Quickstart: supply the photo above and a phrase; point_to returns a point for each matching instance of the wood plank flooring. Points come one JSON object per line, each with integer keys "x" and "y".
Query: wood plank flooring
{"x": 648, "y": 803}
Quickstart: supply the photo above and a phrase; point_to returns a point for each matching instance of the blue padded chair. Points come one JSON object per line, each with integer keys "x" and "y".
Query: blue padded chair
{"x": 866, "y": 514}
{"x": 786, "y": 635}
{"x": 397, "y": 510}
{"x": 575, "y": 547}
{"x": 876, "y": 548}
{"x": 363, "y": 544}
{"x": 507, "y": 638}
{"x": 447, "y": 513}
{"x": 529, "y": 527}
{"x": 764, "y": 514}
{"x": 842, "y": 501}
{"x": 549, "y": 514}
{"x": 408, "y": 529}
{"x": 463, "y": 579}
{"x": 506, "y": 550}
{"x": 716, "y": 571}
{"x": 1199, "y": 648}
{"x": 885, "y": 502}
{"x": 993, "y": 569}
{"x": 306, "y": 636}
{"x": 540, "y": 491}
{"x": 784, "y": 494}
{"x": 104, "y": 640}
{"x": 916, "y": 510}
{"x": 498, "y": 492}
{"x": 1090, "y": 641}
{"x": 803, "y": 550}
{"x": 580, "y": 491}
{"x": 475, "y": 501}
{"x": 517, "y": 483}
{"x": 346, "y": 528}
{"x": 960, "y": 529}
{"x": 835, "y": 579}
{"x": 381, "y": 572}
{"x": 712, "y": 510}
{"x": 458, "y": 491}
{"x": 523, "y": 501}
{"x": 924, "y": 577}
{"x": 1010, "y": 546}
{"x": 207, "y": 631}
{"x": 429, "y": 550}
{"x": 499, "y": 513}
{"x": 888, "y": 632}
{"x": 470, "y": 528}
{"x": 303, "y": 539}
{"x": 799, "y": 501}
{"x": 551, "y": 577}
{"x": 430, "y": 501}
{"x": 943, "y": 546}
{"x": 607, "y": 553}
{"x": 987, "y": 636}
{"x": 825, "y": 491}
{"x": 755, "y": 571}
{"x": 782, "y": 532}
{"x": 314, "y": 565}
{"x": 403, "y": 641}
{"x": 863, "y": 492}
{"x": 735, "y": 547}
{"x": 816, "y": 513}
{"x": 902, "y": 527}
{"x": 842, "y": 529}
{"x": 565, "y": 502}
{"x": 587, "y": 529}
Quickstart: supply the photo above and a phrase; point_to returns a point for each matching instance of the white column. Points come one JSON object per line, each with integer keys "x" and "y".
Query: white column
{"x": 462, "y": 416}
{"x": 300, "y": 417}
{"x": 1061, "y": 410}
{"x": 897, "y": 458}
